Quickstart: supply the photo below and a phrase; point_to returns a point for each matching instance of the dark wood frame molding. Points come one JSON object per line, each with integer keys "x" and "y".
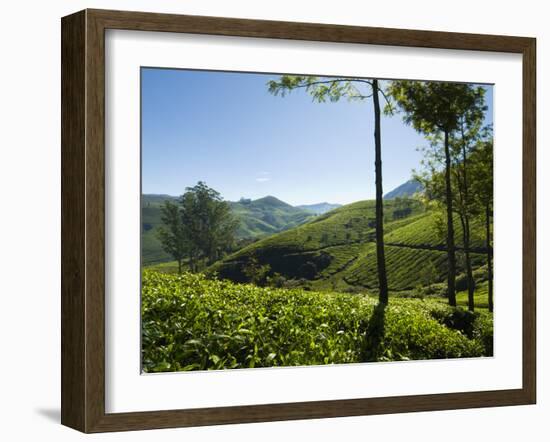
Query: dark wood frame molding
{"x": 83, "y": 216}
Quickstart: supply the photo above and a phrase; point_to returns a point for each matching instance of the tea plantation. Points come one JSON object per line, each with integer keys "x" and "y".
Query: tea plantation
{"x": 337, "y": 251}
{"x": 190, "y": 322}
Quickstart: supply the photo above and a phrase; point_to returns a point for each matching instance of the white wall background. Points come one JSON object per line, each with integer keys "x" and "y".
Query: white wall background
{"x": 30, "y": 217}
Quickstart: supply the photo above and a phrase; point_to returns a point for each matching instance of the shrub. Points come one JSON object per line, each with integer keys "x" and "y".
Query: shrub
{"x": 456, "y": 318}
{"x": 276, "y": 280}
{"x": 461, "y": 282}
{"x": 475, "y": 325}
{"x": 480, "y": 274}
{"x": 483, "y": 331}
{"x": 436, "y": 290}
{"x": 256, "y": 272}
{"x": 410, "y": 333}
{"x": 308, "y": 270}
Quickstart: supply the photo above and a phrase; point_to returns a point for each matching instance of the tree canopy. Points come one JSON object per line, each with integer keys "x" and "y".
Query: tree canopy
{"x": 200, "y": 227}
{"x": 431, "y": 106}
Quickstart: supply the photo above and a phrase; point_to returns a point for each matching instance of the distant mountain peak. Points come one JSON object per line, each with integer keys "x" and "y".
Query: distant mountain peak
{"x": 271, "y": 201}
{"x": 408, "y": 188}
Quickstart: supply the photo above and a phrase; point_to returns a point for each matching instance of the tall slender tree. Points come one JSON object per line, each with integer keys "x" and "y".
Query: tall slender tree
{"x": 436, "y": 108}
{"x": 172, "y": 234}
{"x": 359, "y": 89}
{"x": 482, "y": 183}
{"x": 464, "y": 143}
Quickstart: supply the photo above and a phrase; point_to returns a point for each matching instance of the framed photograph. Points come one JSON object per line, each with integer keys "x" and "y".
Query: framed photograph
{"x": 267, "y": 220}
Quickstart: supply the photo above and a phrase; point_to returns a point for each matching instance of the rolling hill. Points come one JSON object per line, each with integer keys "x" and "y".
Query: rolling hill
{"x": 258, "y": 218}
{"x": 336, "y": 251}
{"x": 151, "y": 250}
{"x": 266, "y": 216}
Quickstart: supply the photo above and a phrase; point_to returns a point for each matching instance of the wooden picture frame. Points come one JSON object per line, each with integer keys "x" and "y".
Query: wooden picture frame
{"x": 83, "y": 220}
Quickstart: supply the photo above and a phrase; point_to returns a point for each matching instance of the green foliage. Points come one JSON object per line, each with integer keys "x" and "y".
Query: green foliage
{"x": 434, "y": 106}
{"x": 461, "y": 282}
{"x": 198, "y": 226}
{"x": 475, "y": 325}
{"x": 471, "y": 174}
{"x": 172, "y": 234}
{"x": 480, "y": 296}
{"x": 483, "y": 331}
{"x": 209, "y": 225}
{"x": 193, "y": 323}
{"x": 481, "y": 163}
{"x": 409, "y": 332}
{"x": 322, "y": 89}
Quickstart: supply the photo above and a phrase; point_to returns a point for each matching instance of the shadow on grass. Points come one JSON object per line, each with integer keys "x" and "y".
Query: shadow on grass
{"x": 373, "y": 348}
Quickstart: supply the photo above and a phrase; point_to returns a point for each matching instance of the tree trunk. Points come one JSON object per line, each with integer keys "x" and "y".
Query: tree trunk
{"x": 489, "y": 256}
{"x": 451, "y": 274}
{"x": 381, "y": 260}
{"x": 466, "y": 204}
{"x": 469, "y": 274}
{"x": 179, "y": 266}
{"x": 465, "y": 222}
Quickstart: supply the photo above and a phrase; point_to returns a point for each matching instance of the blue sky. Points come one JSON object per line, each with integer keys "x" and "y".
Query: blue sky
{"x": 227, "y": 130}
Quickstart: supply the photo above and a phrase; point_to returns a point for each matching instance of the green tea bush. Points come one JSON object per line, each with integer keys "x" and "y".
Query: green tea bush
{"x": 461, "y": 282}
{"x": 193, "y": 323}
{"x": 483, "y": 331}
{"x": 475, "y": 325}
{"x": 480, "y": 274}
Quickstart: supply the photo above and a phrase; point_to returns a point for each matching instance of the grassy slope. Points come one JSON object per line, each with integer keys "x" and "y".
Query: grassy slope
{"x": 480, "y": 297}
{"x": 192, "y": 323}
{"x": 340, "y": 244}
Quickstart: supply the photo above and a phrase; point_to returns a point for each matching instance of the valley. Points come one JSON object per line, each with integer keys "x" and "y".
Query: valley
{"x": 336, "y": 251}
{"x": 257, "y": 219}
